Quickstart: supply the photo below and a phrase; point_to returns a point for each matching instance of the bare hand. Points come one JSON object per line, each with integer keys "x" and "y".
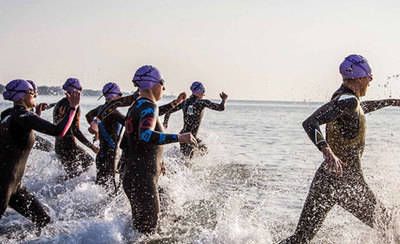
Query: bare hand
{"x": 41, "y": 107}
{"x": 223, "y": 96}
{"x": 94, "y": 129}
{"x": 334, "y": 164}
{"x": 187, "y": 138}
{"x": 181, "y": 97}
{"x": 74, "y": 98}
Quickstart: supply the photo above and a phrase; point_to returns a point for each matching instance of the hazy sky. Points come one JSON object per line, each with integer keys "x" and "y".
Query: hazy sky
{"x": 270, "y": 50}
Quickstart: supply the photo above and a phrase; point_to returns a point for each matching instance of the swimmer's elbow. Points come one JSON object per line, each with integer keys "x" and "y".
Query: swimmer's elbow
{"x": 310, "y": 122}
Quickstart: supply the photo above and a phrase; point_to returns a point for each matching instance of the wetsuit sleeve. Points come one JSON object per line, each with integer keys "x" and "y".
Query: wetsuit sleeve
{"x": 370, "y": 106}
{"x": 325, "y": 114}
{"x": 91, "y": 114}
{"x": 214, "y": 106}
{"x": 173, "y": 110}
{"x": 111, "y": 106}
{"x": 120, "y": 118}
{"x": 34, "y": 122}
{"x": 147, "y": 124}
{"x": 169, "y": 108}
{"x": 78, "y": 133}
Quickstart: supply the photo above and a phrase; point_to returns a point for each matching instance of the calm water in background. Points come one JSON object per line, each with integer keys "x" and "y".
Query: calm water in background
{"x": 250, "y": 188}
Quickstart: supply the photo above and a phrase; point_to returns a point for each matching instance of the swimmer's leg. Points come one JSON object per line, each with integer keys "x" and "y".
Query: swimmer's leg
{"x": 69, "y": 163}
{"x": 319, "y": 202}
{"x": 73, "y": 160}
{"x": 84, "y": 158}
{"x": 360, "y": 201}
{"x": 43, "y": 144}
{"x": 5, "y": 195}
{"x": 105, "y": 175}
{"x": 145, "y": 205}
{"x": 27, "y": 205}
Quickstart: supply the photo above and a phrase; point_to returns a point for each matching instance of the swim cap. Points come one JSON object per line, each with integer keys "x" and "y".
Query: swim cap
{"x": 146, "y": 77}
{"x": 111, "y": 90}
{"x": 72, "y": 84}
{"x": 355, "y": 66}
{"x": 197, "y": 88}
{"x": 17, "y": 89}
{"x": 33, "y": 85}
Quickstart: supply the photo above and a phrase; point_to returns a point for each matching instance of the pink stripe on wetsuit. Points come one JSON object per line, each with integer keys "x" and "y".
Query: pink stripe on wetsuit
{"x": 69, "y": 122}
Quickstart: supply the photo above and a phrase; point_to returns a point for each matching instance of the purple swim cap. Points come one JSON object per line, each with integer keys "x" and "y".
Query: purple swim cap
{"x": 197, "y": 88}
{"x": 111, "y": 90}
{"x": 355, "y": 66}
{"x": 72, "y": 84}
{"x": 17, "y": 89}
{"x": 33, "y": 85}
{"x": 146, "y": 77}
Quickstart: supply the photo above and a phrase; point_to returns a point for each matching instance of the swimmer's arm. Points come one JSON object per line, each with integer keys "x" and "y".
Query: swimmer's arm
{"x": 34, "y": 122}
{"x": 214, "y": 106}
{"x": 120, "y": 118}
{"x": 111, "y": 106}
{"x": 370, "y": 106}
{"x": 168, "y": 114}
{"x": 91, "y": 114}
{"x": 78, "y": 133}
{"x": 147, "y": 125}
{"x": 58, "y": 112}
{"x": 171, "y": 107}
{"x": 325, "y": 114}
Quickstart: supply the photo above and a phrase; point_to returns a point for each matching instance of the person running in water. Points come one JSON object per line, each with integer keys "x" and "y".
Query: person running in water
{"x": 339, "y": 179}
{"x": 193, "y": 111}
{"x": 41, "y": 143}
{"x": 143, "y": 151}
{"x": 109, "y": 130}
{"x": 16, "y": 142}
{"x": 73, "y": 158}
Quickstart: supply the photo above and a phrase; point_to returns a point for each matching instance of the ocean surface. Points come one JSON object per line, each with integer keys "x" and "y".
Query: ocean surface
{"x": 249, "y": 188}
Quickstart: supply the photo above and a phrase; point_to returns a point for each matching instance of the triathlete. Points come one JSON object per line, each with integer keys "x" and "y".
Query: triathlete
{"x": 143, "y": 151}
{"x": 73, "y": 158}
{"x": 193, "y": 111}
{"x": 17, "y": 138}
{"x": 339, "y": 179}
{"x": 109, "y": 130}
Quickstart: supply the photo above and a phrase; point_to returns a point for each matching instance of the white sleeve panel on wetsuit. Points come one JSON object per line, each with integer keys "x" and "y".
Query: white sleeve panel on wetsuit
{"x": 328, "y": 112}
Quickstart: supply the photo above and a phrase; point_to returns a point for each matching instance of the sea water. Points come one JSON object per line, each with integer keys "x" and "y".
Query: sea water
{"x": 249, "y": 188}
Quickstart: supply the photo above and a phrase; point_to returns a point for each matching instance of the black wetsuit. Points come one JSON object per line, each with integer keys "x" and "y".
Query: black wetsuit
{"x": 345, "y": 134}
{"x": 16, "y": 142}
{"x": 193, "y": 111}
{"x": 41, "y": 143}
{"x": 73, "y": 158}
{"x": 142, "y": 155}
{"x": 109, "y": 129}
{"x": 109, "y": 109}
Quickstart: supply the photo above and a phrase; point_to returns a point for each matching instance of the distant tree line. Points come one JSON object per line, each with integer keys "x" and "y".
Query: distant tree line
{"x": 56, "y": 91}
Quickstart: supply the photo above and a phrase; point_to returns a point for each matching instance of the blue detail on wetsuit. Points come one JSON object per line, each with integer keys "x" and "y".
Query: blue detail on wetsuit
{"x": 162, "y": 138}
{"x": 139, "y": 103}
{"x": 107, "y": 138}
{"x": 146, "y": 135}
{"x": 146, "y": 112}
